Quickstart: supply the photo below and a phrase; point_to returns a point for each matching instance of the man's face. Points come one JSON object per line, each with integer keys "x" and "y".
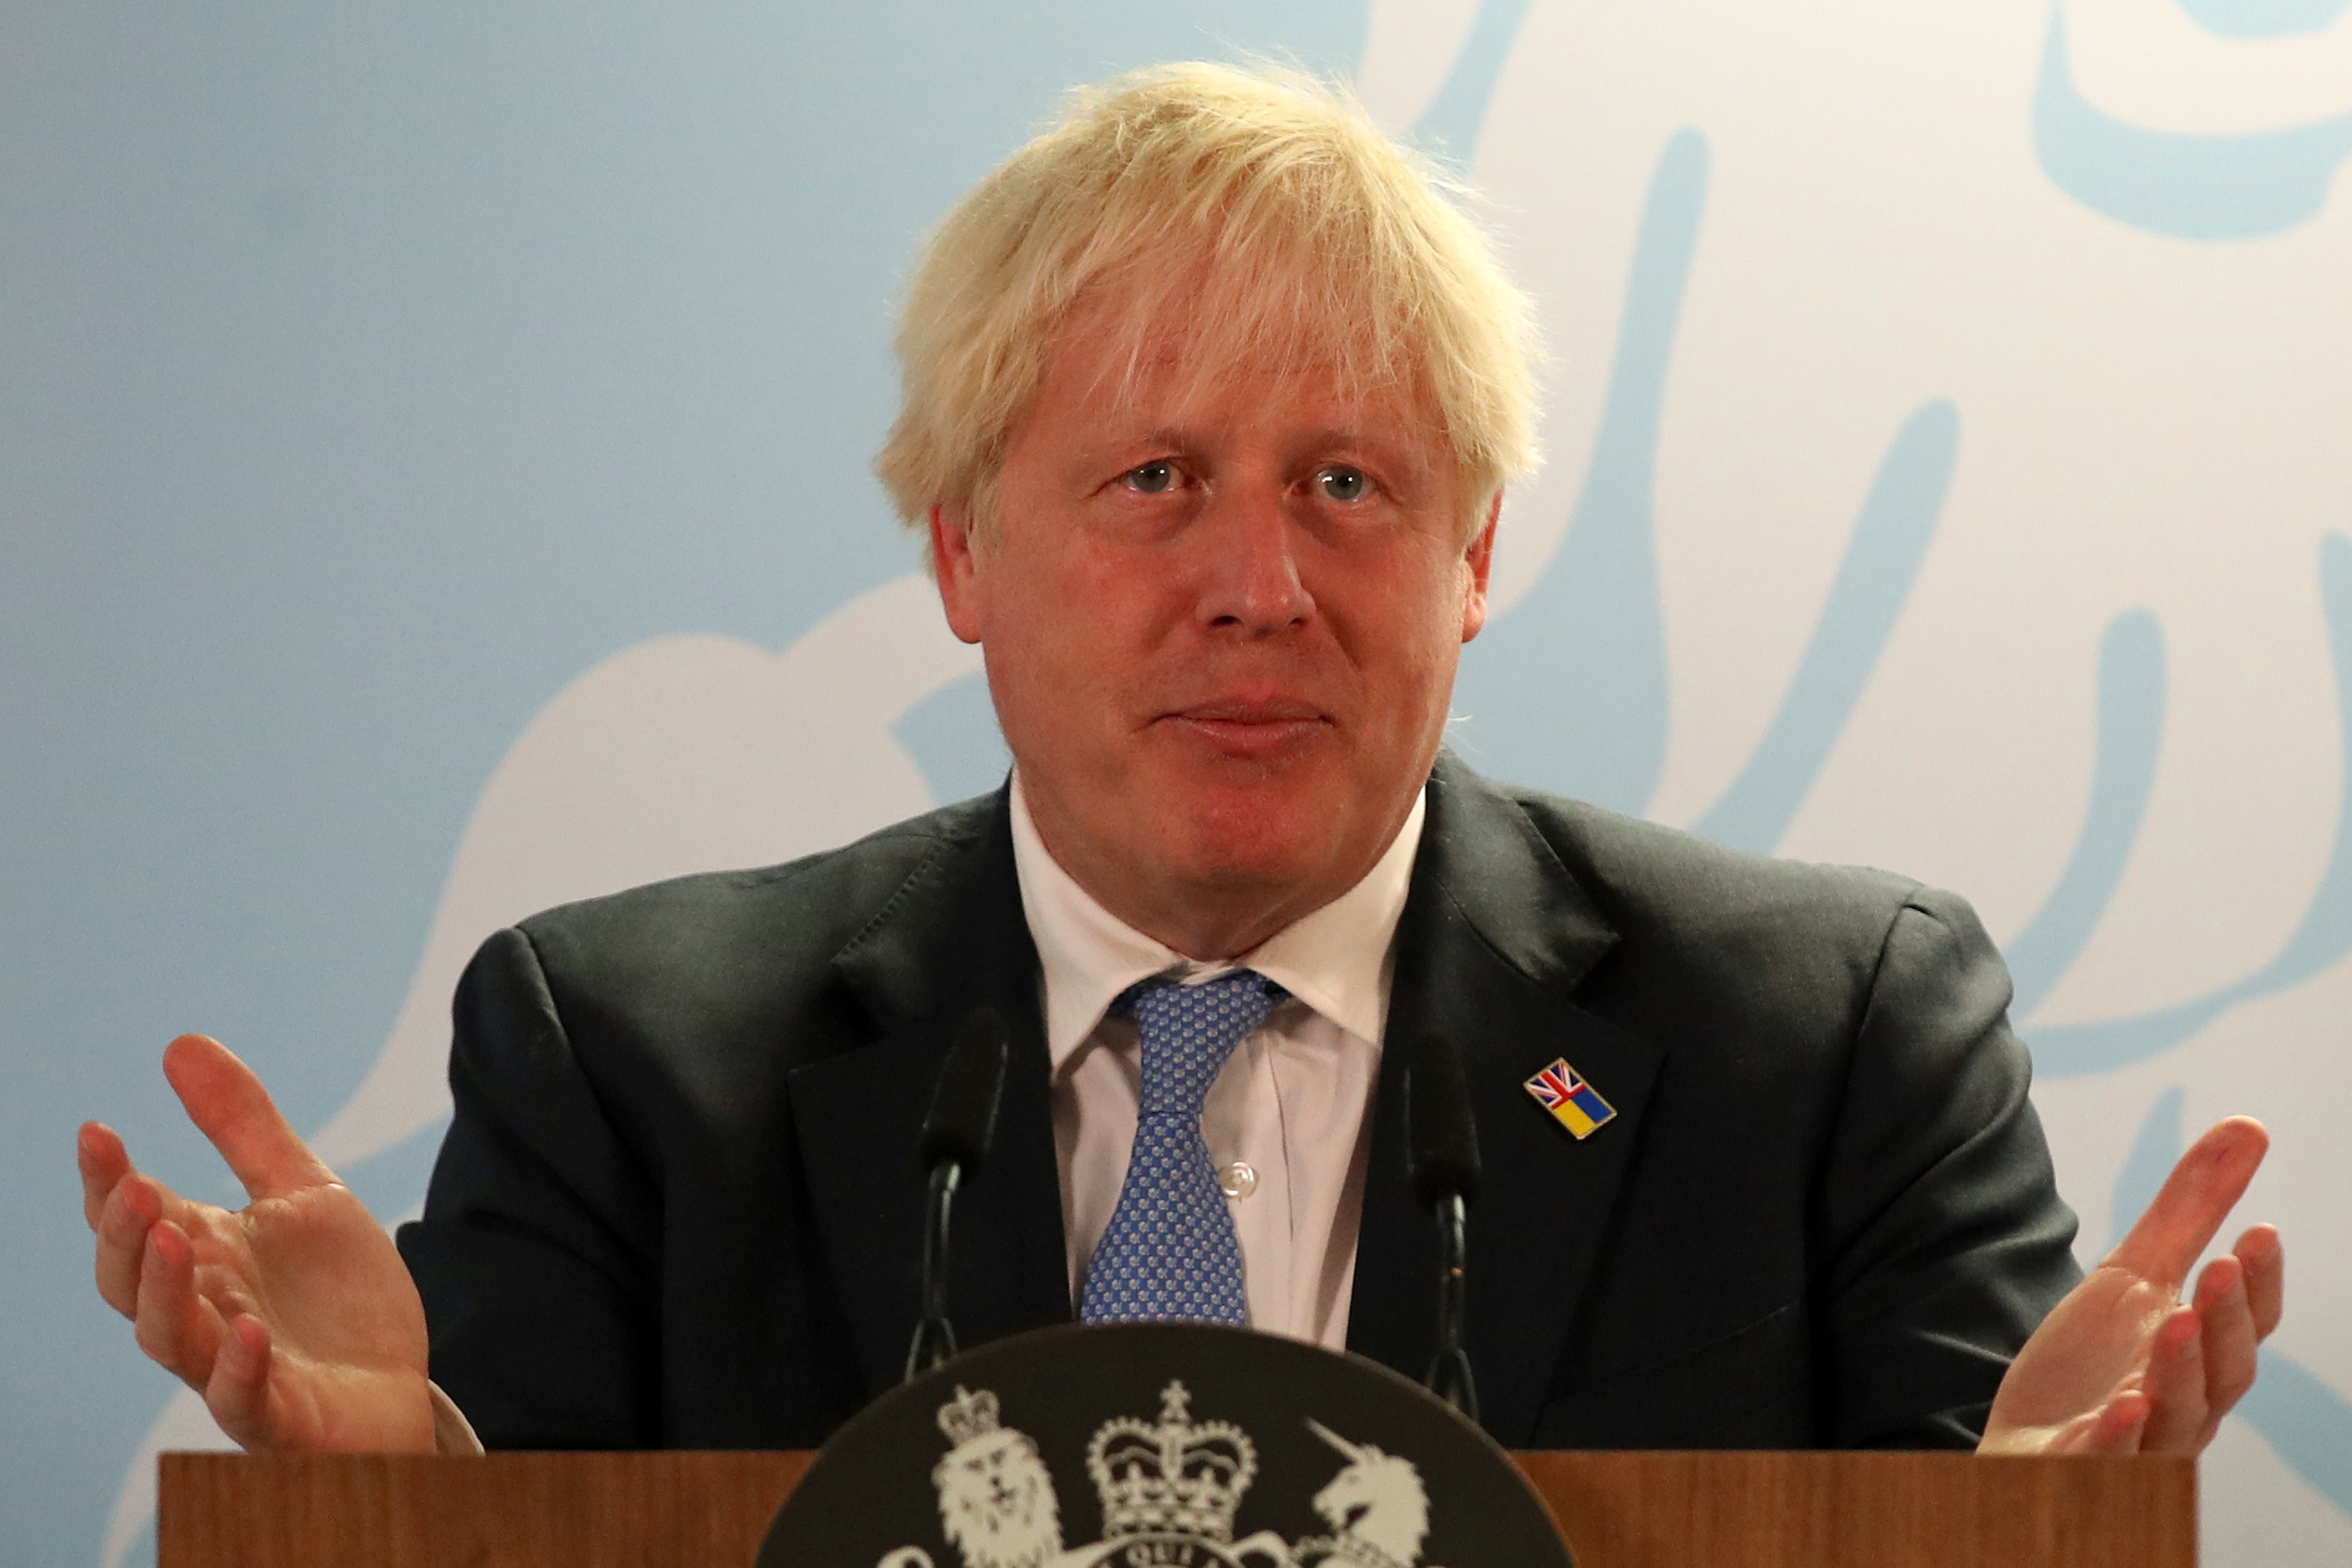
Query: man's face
{"x": 1220, "y": 626}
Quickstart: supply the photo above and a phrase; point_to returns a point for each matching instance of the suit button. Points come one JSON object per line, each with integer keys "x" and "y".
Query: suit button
{"x": 1238, "y": 1180}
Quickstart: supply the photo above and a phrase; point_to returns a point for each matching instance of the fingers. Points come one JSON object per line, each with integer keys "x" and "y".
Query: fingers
{"x": 2175, "y": 1385}
{"x": 2115, "y": 1428}
{"x": 2196, "y": 1198}
{"x": 130, "y": 1210}
{"x": 229, "y": 1105}
{"x": 179, "y": 1331}
{"x": 2229, "y": 1341}
{"x": 238, "y": 1394}
{"x": 2263, "y": 1256}
{"x": 98, "y": 1151}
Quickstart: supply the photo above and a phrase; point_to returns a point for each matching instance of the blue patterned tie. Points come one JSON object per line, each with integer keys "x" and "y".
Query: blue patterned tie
{"x": 1169, "y": 1251}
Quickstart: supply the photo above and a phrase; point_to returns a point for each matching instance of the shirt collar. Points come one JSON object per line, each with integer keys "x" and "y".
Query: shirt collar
{"x": 1336, "y": 960}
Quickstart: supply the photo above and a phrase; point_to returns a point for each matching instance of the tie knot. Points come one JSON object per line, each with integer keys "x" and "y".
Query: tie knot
{"x": 1189, "y": 1031}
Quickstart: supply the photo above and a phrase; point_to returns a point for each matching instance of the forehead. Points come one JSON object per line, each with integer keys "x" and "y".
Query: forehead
{"x": 1117, "y": 369}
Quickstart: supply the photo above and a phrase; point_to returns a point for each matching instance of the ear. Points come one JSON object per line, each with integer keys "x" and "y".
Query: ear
{"x": 1479, "y": 560}
{"x": 956, "y": 570}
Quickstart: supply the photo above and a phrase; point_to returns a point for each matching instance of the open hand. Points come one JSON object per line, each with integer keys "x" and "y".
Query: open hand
{"x": 294, "y": 1316}
{"x": 2121, "y": 1365}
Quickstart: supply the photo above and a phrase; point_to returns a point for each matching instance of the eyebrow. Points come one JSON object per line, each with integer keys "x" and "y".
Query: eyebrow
{"x": 1177, "y": 438}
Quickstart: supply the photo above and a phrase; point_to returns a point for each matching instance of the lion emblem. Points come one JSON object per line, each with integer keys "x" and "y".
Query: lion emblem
{"x": 996, "y": 1498}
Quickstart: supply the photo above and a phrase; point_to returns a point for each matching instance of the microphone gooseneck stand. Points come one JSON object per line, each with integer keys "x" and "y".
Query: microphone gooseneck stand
{"x": 1442, "y": 1152}
{"x": 956, "y": 1134}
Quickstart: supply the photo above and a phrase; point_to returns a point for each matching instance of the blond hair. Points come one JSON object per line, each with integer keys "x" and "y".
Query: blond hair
{"x": 1260, "y": 212}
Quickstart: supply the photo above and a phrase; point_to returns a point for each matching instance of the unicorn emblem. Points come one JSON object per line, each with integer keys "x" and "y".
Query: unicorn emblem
{"x": 1376, "y": 1504}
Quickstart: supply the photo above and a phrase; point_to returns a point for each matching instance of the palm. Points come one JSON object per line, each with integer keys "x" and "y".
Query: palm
{"x": 343, "y": 1318}
{"x": 294, "y": 1316}
{"x": 2122, "y": 1364}
{"x": 2095, "y": 1342}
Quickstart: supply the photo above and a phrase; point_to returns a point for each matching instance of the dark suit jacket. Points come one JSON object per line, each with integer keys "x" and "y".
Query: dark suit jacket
{"x": 679, "y": 1204}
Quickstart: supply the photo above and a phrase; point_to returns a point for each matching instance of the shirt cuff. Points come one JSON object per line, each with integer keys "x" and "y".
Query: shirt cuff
{"x": 452, "y": 1433}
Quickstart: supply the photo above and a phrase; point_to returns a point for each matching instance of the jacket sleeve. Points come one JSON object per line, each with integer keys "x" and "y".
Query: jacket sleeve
{"x": 1945, "y": 1242}
{"x": 536, "y": 1254}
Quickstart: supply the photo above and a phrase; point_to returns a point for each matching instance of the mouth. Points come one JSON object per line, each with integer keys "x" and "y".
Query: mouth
{"x": 1256, "y": 728}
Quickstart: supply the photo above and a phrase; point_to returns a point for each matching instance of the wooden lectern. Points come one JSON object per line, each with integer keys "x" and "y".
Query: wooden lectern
{"x": 1617, "y": 1510}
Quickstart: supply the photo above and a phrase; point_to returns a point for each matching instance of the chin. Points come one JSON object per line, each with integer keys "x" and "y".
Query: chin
{"x": 1253, "y": 835}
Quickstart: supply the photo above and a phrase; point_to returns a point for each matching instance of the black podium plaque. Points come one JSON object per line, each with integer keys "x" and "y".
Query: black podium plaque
{"x": 1161, "y": 1446}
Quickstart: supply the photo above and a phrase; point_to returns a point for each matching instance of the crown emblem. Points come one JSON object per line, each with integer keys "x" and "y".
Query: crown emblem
{"x": 1180, "y": 1477}
{"x": 968, "y": 1415}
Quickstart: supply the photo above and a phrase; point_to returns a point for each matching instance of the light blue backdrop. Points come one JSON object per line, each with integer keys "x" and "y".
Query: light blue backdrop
{"x": 423, "y": 432}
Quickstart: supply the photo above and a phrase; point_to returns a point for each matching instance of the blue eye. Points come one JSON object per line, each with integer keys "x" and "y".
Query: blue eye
{"x": 1341, "y": 482}
{"x": 1151, "y": 478}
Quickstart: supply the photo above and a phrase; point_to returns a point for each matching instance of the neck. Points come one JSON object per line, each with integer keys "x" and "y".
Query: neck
{"x": 1210, "y": 918}
{"x": 1208, "y": 924}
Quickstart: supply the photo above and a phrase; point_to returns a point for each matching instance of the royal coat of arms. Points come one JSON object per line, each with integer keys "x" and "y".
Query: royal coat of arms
{"x": 1170, "y": 1493}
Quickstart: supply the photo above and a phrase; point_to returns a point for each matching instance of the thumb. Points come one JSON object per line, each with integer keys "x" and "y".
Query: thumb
{"x": 231, "y": 1108}
{"x": 2189, "y": 1209}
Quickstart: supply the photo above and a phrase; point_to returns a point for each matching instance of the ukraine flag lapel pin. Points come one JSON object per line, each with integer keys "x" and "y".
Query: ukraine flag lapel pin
{"x": 1573, "y": 1104}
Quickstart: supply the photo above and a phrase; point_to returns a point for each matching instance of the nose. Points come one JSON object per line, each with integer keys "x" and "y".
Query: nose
{"x": 1250, "y": 581}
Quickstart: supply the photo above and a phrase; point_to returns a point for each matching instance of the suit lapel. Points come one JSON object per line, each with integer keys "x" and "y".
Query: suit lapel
{"x": 954, "y": 938}
{"x": 1496, "y": 935}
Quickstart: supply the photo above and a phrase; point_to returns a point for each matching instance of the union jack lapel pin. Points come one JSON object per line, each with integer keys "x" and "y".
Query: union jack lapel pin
{"x": 1573, "y": 1104}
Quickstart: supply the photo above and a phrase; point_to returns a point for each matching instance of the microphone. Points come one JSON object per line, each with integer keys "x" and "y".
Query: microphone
{"x": 1442, "y": 1156}
{"x": 956, "y": 1133}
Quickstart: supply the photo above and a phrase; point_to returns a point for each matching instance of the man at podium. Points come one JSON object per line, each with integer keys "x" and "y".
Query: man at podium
{"x": 1211, "y": 395}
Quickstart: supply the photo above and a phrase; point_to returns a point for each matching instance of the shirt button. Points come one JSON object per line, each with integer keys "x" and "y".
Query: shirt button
{"x": 1238, "y": 1180}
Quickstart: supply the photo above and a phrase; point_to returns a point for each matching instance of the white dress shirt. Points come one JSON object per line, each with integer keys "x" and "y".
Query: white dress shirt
{"x": 1285, "y": 1121}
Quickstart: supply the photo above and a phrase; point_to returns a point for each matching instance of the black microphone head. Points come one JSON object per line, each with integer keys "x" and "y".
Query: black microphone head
{"x": 962, "y": 1119}
{"x": 1441, "y": 1133}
